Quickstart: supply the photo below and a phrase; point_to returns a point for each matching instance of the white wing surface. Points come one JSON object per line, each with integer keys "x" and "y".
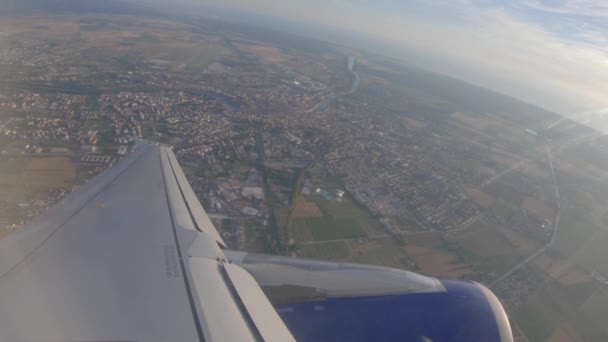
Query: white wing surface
{"x": 130, "y": 256}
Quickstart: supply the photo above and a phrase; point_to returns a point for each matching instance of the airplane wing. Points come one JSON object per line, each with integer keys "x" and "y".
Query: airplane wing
{"x": 132, "y": 256}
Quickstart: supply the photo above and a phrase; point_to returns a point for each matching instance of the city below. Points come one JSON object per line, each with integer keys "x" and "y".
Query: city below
{"x": 298, "y": 147}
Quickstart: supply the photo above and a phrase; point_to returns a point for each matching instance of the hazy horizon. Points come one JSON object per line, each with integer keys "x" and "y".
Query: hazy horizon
{"x": 552, "y": 56}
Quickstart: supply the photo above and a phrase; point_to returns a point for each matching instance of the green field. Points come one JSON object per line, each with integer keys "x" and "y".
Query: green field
{"x": 595, "y": 308}
{"x": 253, "y": 241}
{"x": 574, "y": 231}
{"x": 326, "y": 251}
{"x": 281, "y": 178}
{"x": 344, "y": 219}
{"x": 488, "y": 268}
{"x": 484, "y": 239}
{"x": 328, "y": 228}
{"x": 553, "y": 305}
{"x": 593, "y": 253}
{"x": 260, "y": 238}
{"x": 348, "y": 208}
{"x": 409, "y": 222}
{"x": 385, "y": 252}
{"x": 538, "y": 318}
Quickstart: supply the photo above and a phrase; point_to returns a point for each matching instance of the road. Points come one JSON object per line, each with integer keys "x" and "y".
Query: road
{"x": 555, "y": 226}
{"x": 523, "y": 161}
{"x": 373, "y": 237}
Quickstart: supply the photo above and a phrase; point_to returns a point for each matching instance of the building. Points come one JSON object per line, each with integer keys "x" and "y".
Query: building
{"x": 122, "y": 150}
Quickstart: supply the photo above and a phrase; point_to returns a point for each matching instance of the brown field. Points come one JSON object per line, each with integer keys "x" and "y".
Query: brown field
{"x": 573, "y": 169}
{"x": 413, "y": 123}
{"x": 29, "y": 179}
{"x": 63, "y": 27}
{"x": 270, "y": 53}
{"x": 537, "y": 170}
{"x": 71, "y": 24}
{"x": 435, "y": 263}
{"x": 563, "y": 271}
{"x": 61, "y": 24}
{"x": 481, "y": 198}
{"x": 520, "y": 243}
{"x": 97, "y": 38}
{"x": 22, "y": 178}
{"x": 565, "y": 333}
{"x": 305, "y": 208}
{"x": 538, "y": 208}
{"x": 474, "y": 122}
{"x": 121, "y": 36}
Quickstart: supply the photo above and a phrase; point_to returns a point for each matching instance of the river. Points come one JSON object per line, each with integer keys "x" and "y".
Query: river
{"x": 352, "y": 61}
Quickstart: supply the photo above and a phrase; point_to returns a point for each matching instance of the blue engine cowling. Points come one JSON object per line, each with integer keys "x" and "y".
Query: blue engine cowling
{"x": 466, "y": 311}
{"x": 328, "y": 301}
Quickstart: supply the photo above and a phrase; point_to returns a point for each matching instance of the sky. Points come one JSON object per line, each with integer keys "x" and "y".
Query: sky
{"x": 552, "y": 53}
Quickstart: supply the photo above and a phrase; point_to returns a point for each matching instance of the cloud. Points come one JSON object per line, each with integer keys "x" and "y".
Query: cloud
{"x": 572, "y": 72}
{"x": 588, "y": 8}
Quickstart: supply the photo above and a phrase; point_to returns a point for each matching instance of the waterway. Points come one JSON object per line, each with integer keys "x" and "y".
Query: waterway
{"x": 352, "y": 62}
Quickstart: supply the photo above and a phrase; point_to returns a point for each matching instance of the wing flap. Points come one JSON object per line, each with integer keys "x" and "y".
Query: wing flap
{"x": 223, "y": 319}
{"x": 262, "y": 313}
